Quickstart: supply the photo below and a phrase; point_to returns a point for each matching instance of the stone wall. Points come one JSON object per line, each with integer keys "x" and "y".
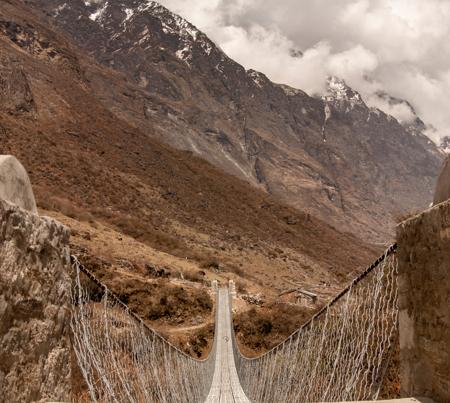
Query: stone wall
{"x": 442, "y": 191}
{"x": 34, "y": 307}
{"x": 424, "y": 302}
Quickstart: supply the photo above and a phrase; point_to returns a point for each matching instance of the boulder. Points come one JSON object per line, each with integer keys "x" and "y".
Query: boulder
{"x": 15, "y": 186}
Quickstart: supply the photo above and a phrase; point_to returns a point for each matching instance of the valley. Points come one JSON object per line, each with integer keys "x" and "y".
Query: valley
{"x": 175, "y": 168}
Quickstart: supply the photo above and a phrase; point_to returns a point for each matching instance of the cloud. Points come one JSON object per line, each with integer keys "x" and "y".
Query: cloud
{"x": 401, "y": 111}
{"x": 396, "y": 46}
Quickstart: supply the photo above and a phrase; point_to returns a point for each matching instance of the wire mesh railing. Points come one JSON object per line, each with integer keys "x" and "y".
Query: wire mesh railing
{"x": 340, "y": 354}
{"x": 121, "y": 359}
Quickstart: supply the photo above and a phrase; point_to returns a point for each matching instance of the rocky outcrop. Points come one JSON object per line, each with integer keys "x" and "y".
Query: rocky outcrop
{"x": 16, "y": 96}
{"x": 15, "y": 185}
{"x": 34, "y": 307}
{"x": 424, "y": 304}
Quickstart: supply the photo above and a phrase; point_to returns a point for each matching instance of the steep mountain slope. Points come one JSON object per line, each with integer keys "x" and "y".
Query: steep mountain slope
{"x": 333, "y": 156}
{"x": 122, "y": 187}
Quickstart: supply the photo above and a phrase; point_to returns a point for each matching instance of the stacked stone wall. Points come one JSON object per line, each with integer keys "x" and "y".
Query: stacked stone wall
{"x": 34, "y": 307}
{"x": 424, "y": 302}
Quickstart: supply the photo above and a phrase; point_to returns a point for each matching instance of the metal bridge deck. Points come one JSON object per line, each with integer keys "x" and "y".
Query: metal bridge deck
{"x": 225, "y": 387}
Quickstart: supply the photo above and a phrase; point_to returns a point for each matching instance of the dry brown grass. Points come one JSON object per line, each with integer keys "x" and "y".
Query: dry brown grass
{"x": 174, "y": 303}
{"x": 405, "y": 215}
{"x": 196, "y": 277}
{"x": 261, "y": 328}
{"x": 200, "y": 341}
{"x": 241, "y": 287}
{"x": 66, "y": 207}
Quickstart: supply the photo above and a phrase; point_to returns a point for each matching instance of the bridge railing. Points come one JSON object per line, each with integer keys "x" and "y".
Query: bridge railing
{"x": 121, "y": 359}
{"x": 341, "y": 353}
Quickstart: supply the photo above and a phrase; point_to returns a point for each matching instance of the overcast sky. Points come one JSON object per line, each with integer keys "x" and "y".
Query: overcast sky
{"x": 401, "y": 47}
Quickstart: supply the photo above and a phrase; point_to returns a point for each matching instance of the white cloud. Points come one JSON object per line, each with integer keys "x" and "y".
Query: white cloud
{"x": 401, "y": 111}
{"x": 402, "y": 45}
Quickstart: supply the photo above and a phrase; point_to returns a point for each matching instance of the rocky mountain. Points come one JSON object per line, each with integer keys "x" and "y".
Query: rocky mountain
{"x": 89, "y": 164}
{"x": 155, "y": 223}
{"x": 414, "y": 124}
{"x": 333, "y": 156}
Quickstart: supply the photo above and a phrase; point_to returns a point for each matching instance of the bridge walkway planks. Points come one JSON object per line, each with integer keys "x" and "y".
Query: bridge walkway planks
{"x": 226, "y": 387}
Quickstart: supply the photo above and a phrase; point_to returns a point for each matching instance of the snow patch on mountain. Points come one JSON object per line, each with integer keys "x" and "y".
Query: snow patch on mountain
{"x": 147, "y": 5}
{"x": 184, "y": 54}
{"x": 207, "y": 47}
{"x": 258, "y": 78}
{"x": 190, "y": 39}
{"x": 171, "y": 22}
{"x": 59, "y": 9}
{"x": 98, "y": 14}
{"x": 129, "y": 12}
{"x": 327, "y": 114}
{"x": 338, "y": 92}
{"x": 191, "y": 44}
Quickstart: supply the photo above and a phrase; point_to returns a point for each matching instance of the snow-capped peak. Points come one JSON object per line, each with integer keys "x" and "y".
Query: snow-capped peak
{"x": 104, "y": 13}
{"x": 172, "y": 23}
{"x": 339, "y": 92}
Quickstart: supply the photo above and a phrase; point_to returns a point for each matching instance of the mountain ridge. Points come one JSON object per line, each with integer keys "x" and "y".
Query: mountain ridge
{"x": 349, "y": 164}
{"x": 86, "y": 162}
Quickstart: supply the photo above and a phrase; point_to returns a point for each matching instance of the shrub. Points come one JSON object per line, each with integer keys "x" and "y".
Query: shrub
{"x": 241, "y": 287}
{"x": 260, "y": 329}
{"x": 210, "y": 263}
{"x": 196, "y": 277}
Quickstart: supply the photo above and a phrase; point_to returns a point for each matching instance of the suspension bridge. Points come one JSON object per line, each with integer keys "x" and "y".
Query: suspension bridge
{"x": 340, "y": 354}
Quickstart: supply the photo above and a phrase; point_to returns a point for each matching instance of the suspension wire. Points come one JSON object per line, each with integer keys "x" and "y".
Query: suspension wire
{"x": 121, "y": 358}
{"x": 341, "y": 353}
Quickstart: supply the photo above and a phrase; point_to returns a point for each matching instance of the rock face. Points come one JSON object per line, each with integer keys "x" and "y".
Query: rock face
{"x": 424, "y": 304}
{"x": 15, "y": 185}
{"x": 15, "y": 92}
{"x": 34, "y": 307}
{"x": 333, "y": 156}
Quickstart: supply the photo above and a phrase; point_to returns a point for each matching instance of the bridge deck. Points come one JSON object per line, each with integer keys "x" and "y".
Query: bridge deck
{"x": 225, "y": 387}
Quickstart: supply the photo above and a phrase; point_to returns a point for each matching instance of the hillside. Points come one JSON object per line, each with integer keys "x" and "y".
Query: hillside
{"x": 332, "y": 156}
{"x": 134, "y": 203}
